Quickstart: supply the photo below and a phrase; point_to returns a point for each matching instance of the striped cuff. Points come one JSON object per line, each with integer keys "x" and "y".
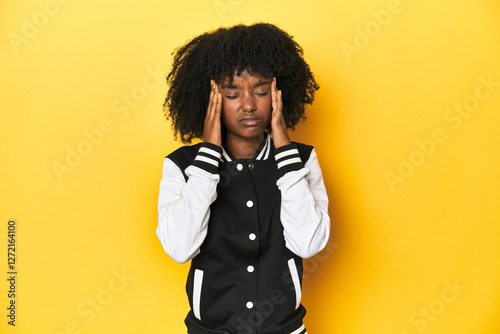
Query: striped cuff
{"x": 208, "y": 157}
{"x": 288, "y": 159}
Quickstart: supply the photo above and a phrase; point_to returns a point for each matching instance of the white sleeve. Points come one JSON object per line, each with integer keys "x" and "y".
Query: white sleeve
{"x": 184, "y": 209}
{"x": 304, "y": 204}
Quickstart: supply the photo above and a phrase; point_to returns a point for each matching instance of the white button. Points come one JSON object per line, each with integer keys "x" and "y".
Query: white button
{"x": 239, "y": 166}
{"x": 249, "y": 305}
{"x": 252, "y": 236}
{"x": 249, "y": 204}
{"x": 250, "y": 269}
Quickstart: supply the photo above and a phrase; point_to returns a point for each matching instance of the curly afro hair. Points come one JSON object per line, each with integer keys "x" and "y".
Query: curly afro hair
{"x": 261, "y": 48}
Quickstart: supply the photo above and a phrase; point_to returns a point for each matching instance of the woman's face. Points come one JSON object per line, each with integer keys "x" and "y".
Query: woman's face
{"x": 246, "y": 105}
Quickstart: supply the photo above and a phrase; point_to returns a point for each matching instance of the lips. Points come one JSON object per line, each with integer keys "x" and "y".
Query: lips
{"x": 250, "y": 121}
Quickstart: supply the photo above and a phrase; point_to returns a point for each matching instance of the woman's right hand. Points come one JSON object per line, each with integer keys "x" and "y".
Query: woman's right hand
{"x": 212, "y": 128}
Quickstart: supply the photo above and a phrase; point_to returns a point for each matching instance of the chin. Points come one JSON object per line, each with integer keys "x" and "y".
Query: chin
{"x": 251, "y": 133}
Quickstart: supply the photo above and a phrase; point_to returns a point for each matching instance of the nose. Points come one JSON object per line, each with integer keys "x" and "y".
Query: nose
{"x": 248, "y": 103}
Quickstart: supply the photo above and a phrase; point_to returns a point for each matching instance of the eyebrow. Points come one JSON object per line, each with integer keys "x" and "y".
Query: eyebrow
{"x": 233, "y": 86}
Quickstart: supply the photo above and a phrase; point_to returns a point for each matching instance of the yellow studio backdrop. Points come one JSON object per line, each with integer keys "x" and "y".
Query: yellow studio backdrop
{"x": 405, "y": 125}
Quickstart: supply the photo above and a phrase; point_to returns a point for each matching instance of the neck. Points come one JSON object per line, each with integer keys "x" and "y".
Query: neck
{"x": 243, "y": 148}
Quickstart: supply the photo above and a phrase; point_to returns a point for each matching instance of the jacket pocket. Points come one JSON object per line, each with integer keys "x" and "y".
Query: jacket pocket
{"x": 197, "y": 285}
{"x": 296, "y": 282}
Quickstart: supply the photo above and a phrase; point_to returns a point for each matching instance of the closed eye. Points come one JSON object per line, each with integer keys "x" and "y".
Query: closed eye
{"x": 262, "y": 94}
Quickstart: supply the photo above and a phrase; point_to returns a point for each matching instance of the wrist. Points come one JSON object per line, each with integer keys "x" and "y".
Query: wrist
{"x": 280, "y": 143}
{"x": 281, "y": 139}
{"x": 213, "y": 142}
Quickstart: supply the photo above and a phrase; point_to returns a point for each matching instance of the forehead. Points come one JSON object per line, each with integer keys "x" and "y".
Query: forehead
{"x": 244, "y": 77}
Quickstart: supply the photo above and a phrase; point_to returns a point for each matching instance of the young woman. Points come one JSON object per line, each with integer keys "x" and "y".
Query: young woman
{"x": 246, "y": 204}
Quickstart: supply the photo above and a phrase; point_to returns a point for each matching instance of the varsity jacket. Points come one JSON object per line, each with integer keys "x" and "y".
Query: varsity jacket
{"x": 245, "y": 225}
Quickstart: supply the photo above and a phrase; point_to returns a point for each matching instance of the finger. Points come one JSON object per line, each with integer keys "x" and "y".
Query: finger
{"x": 211, "y": 102}
{"x": 280, "y": 103}
{"x": 274, "y": 101}
{"x": 210, "y": 97}
{"x": 216, "y": 108}
{"x": 215, "y": 103}
{"x": 218, "y": 105}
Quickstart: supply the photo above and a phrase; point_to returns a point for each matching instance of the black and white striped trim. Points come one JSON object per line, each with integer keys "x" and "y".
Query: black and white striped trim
{"x": 264, "y": 153}
{"x": 208, "y": 157}
{"x": 301, "y": 330}
{"x": 225, "y": 156}
{"x": 288, "y": 159}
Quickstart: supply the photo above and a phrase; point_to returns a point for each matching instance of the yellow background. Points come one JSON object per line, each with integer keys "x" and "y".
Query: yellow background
{"x": 395, "y": 247}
